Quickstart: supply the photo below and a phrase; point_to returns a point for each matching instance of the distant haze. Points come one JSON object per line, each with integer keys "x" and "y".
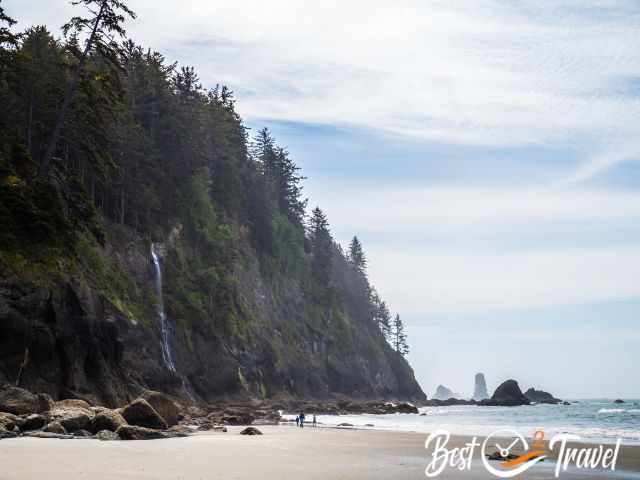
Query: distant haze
{"x": 486, "y": 154}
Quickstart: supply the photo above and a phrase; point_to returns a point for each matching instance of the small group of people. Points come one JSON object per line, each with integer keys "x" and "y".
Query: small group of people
{"x": 300, "y": 420}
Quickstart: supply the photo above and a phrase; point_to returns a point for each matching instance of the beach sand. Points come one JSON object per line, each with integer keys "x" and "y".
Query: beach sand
{"x": 283, "y": 452}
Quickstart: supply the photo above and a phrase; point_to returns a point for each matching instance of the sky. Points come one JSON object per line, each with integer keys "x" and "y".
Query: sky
{"x": 485, "y": 152}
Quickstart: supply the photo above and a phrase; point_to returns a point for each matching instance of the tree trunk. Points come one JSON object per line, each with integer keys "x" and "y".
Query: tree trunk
{"x": 68, "y": 97}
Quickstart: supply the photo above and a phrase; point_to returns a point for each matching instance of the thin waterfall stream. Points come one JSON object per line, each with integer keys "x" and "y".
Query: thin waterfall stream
{"x": 165, "y": 332}
{"x": 165, "y": 328}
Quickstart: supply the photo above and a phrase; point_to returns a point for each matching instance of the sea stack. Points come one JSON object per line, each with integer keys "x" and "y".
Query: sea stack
{"x": 508, "y": 394}
{"x": 444, "y": 393}
{"x": 480, "y": 389}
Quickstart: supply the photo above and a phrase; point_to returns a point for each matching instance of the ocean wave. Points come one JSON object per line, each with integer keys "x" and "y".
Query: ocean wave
{"x": 631, "y": 411}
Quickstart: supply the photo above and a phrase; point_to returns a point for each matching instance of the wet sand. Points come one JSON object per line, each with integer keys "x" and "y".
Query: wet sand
{"x": 283, "y": 452}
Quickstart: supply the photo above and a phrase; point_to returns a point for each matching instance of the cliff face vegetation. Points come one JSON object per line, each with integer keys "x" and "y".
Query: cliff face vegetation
{"x": 148, "y": 241}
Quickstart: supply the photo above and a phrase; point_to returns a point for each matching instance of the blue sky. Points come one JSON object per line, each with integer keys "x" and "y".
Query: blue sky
{"x": 485, "y": 152}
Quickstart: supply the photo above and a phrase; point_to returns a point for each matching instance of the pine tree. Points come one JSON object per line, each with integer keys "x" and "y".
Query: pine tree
{"x": 399, "y": 338}
{"x": 384, "y": 319}
{"x": 321, "y": 247}
{"x": 106, "y": 21}
{"x": 357, "y": 257}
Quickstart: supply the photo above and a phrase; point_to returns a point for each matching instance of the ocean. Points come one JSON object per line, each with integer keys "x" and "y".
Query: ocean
{"x": 600, "y": 421}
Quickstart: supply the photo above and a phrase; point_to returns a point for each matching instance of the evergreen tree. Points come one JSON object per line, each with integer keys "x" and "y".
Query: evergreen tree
{"x": 399, "y": 338}
{"x": 106, "y": 21}
{"x": 321, "y": 247}
{"x": 384, "y": 319}
{"x": 357, "y": 257}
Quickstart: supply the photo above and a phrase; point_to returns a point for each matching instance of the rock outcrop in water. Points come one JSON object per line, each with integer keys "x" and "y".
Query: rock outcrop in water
{"x": 444, "y": 393}
{"x": 508, "y": 394}
{"x": 480, "y": 388}
{"x": 540, "y": 396}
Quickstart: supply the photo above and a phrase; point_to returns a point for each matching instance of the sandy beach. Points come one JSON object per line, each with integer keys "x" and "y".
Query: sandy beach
{"x": 283, "y": 452}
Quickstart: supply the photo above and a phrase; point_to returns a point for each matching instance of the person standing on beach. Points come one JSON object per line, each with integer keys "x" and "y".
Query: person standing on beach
{"x": 298, "y": 421}
{"x": 315, "y": 423}
{"x": 301, "y": 416}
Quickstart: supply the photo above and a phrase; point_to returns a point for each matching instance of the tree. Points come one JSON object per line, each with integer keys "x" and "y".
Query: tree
{"x": 321, "y": 247}
{"x": 357, "y": 257}
{"x": 106, "y": 21}
{"x": 384, "y": 319}
{"x": 399, "y": 338}
{"x": 6, "y": 37}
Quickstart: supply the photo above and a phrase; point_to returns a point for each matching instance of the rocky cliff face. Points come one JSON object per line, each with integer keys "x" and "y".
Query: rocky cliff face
{"x": 90, "y": 330}
{"x": 480, "y": 388}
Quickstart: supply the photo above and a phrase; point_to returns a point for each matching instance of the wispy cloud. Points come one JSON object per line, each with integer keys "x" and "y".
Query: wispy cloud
{"x": 471, "y": 72}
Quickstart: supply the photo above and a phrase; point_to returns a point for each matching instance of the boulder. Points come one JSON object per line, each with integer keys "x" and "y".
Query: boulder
{"x": 107, "y": 420}
{"x": 540, "y": 396}
{"x": 72, "y": 418}
{"x": 251, "y": 431}
{"x": 106, "y": 435}
{"x": 480, "y": 388}
{"x": 34, "y": 421}
{"x": 619, "y": 400}
{"x": 82, "y": 434}
{"x": 141, "y": 414}
{"x": 134, "y": 432}
{"x": 55, "y": 427}
{"x": 444, "y": 393}
{"x": 508, "y": 394}
{"x": 73, "y": 403}
{"x": 345, "y": 424}
{"x": 20, "y": 401}
{"x": 7, "y": 434}
{"x": 9, "y": 421}
{"x": 166, "y": 408}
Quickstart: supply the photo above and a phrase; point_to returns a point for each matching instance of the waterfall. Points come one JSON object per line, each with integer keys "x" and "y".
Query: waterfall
{"x": 165, "y": 332}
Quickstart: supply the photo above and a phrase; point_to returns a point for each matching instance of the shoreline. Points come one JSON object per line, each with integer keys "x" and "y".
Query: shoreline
{"x": 282, "y": 452}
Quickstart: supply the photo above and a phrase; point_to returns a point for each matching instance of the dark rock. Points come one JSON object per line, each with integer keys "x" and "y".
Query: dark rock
{"x": 161, "y": 403}
{"x": 71, "y": 417}
{"x": 508, "y": 394}
{"x": 619, "y": 400}
{"x": 9, "y": 421}
{"x": 449, "y": 402}
{"x": 82, "y": 434}
{"x": 7, "y": 434}
{"x": 251, "y": 431}
{"x": 134, "y": 432}
{"x": 34, "y": 422}
{"x": 44, "y": 434}
{"x": 106, "y": 435}
{"x": 54, "y": 427}
{"x": 566, "y": 403}
{"x": 344, "y": 424}
{"x": 20, "y": 401}
{"x": 540, "y": 396}
{"x": 141, "y": 414}
{"x": 107, "y": 420}
{"x": 443, "y": 393}
{"x": 369, "y": 425}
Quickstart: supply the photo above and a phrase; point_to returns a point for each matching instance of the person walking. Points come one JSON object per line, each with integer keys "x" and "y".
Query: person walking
{"x": 315, "y": 423}
{"x": 301, "y": 416}
{"x": 297, "y": 420}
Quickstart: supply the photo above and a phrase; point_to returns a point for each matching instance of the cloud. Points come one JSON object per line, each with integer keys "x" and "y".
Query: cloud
{"x": 452, "y": 208}
{"x": 468, "y": 269}
{"x": 471, "y": 72}
{"x": 438, "y": 281}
